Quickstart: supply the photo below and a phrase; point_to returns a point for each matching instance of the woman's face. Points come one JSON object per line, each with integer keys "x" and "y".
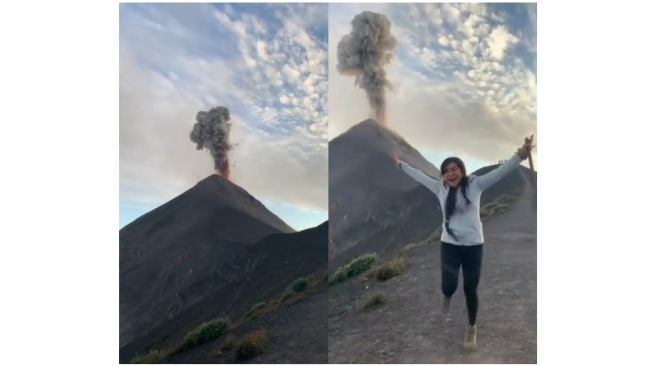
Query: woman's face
{"x": 452, "y": 175}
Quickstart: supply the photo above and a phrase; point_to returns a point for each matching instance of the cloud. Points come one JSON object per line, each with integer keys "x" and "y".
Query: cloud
{"x": 458, "y": 84}
{"x": 443, "y": 40}
{"x": 452, "y": 14}
{"x": 283, "y": 169}
{"x": 499, "y": 40}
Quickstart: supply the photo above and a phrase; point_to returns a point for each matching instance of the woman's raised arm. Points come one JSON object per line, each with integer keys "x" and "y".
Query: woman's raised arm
{"x": 486, "y": 181}
{"x": 434, "y": 185}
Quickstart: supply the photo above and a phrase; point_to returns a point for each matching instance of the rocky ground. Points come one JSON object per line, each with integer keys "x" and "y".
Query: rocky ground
{"x": 409, "y": 328}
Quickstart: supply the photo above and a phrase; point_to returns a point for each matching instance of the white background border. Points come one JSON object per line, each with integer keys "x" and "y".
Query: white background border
{"x": 59, "y": 150}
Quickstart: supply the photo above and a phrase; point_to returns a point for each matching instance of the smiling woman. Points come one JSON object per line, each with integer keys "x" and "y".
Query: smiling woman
{"x": 246, "y": 83}
{"x": 462, "y": 225}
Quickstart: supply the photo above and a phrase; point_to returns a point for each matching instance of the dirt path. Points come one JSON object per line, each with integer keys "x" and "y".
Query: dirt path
{"x": 409, "y": 327}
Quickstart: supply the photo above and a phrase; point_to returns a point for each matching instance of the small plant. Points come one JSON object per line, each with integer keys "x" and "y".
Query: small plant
{"x": 361, "y": 264}
{"x": 298, "y": 285}
{"x": 496, "y": 207}
{"x": 154, "y": 356}
{"x": 374, "y": 301}
{"x": 203, "y": 333}
{"x": 409, "y": 248}
{"x": 353, "y": 268}
{"x": 390, "y": 269}
{"x": 339, "y": 276}
{"x": 433, "y": 238}
{"x": 287, "y": 295}
{"x": 492, "y": 209}
{"x": 252, "y": 345}
{"x": 255, "y": 308}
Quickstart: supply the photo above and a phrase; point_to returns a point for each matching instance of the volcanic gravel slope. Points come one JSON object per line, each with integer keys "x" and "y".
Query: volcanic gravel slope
{"x": 409, "y": 328}
{"x": 373, "y": 205}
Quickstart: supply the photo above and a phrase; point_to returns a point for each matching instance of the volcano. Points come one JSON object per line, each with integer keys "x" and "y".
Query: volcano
{"x": 212, "y": 251}
{"x": 370, "y": 200}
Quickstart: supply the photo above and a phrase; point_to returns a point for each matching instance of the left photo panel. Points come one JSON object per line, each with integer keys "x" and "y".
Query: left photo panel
{"x": 223, "y": 183}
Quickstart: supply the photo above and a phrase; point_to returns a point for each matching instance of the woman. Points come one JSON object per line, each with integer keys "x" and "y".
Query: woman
{"x": 462, "y": 231}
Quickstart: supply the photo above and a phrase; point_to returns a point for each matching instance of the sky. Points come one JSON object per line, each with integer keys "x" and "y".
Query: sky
{"x": 267, "y": 63}
{"x": 463, "y": 78}
{"x": 463, "y": 83}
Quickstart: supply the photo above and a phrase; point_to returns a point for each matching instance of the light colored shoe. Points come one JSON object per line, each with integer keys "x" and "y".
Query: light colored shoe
{"x": 446, "y": 302}
{"x": 470, "y": 338}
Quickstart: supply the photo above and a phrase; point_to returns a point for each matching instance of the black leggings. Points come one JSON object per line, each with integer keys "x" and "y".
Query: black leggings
{"x": 452, "y": 257}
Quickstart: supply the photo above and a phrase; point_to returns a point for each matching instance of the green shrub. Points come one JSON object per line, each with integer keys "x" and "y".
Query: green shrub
{"x": 339, "y": 276}
{"x": 361, "y": 264}
{"x": 154, "y": 356}
{"x": 287, "y": 295}
{"x": 496, "y": 207}
{"x": 203, "y": 333}
{"x": 252, "y": 345}
{"x": 433, "y": 238}
{"x": 374, "y": 301}
{"x": 409, "y": 248}
{"x": 390, "y": 269}
{"x": 353, "y": 268}
{"x": 256, "y": 307}
{"x": 298, "y": 285}
{"x": 259, "y": 305}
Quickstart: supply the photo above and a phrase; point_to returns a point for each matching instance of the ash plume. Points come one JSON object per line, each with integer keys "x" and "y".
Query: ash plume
{"x": 364, "y": 52}
{"x": 211, "y": 131}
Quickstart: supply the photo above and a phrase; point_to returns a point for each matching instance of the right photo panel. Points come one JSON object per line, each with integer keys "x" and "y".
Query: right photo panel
{"x": 432, "y": 183}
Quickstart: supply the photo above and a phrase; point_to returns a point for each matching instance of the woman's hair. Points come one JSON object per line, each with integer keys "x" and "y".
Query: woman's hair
{"x": 450, "y": 206}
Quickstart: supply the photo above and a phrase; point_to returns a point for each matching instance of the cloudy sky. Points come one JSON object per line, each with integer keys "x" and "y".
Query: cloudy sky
{"x": 463, "y": 76}
{"x": 266, "y": 63}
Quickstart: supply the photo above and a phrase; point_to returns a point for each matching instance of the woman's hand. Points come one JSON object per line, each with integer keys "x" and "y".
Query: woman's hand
{"x": 526, "y": 148}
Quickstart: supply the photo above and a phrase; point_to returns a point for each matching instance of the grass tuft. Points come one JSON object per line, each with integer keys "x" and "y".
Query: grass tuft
{"x": 252, "y": 345}
{"x": 203, "y": 333}
{"x": 298, "y": 285}
{"x": 255, "y": 309}
{"x": 353, "y": 268}
{"x": 390, "y": 269}
{"x": 374, "y": 301}
{"x": 154, "y": 356}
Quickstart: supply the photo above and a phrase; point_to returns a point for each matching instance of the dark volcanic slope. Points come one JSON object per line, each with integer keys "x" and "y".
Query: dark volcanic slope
{"x": 175, "y": 254}
{"x": 512, "y": 184}
{"x": 410, "y": 329}
{"x": 298, "y": 333}
{"x": 370, "y": 199}
{"x": 265, "y": 270}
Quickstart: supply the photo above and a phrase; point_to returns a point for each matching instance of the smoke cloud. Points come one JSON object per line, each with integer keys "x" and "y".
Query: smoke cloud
{"x": 364, "y": 52}
{"x": 211, "y": 131}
